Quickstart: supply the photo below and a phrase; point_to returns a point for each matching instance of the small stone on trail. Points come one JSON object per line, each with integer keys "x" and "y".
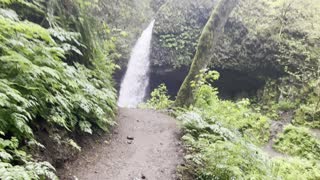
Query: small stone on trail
{"x": 106, "y": 142}
{"x": 143, "y": 176}
{"x": 130, "y": 138}
{"x": 95, "y": 171}
{"x": 129, "y": 142}
{"x": 138, "y": 120}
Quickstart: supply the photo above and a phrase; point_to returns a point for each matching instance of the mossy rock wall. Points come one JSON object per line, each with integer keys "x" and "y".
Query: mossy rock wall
{"x": 176, "y": 32}
{"x": 258, "y": 41}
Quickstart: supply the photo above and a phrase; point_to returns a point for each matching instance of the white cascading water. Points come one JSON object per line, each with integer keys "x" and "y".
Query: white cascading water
{"x": 134, "y": 85}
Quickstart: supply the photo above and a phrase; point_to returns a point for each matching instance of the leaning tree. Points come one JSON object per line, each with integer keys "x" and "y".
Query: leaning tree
{"x": 207, "y": 43}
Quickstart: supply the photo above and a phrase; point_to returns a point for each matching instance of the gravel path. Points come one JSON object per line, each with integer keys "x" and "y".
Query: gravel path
{"x": 144, "y": 145}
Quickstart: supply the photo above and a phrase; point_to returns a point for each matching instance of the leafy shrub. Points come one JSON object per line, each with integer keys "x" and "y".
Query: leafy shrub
{"x": 285, "y": 105}
{"x": 295, "y": 168}
{"x": 309, "y": 113}
{"x": 159, "y": 98}
{"x": 216, "y": 152}
{"x": 298, "y": 141}
{"x": 220, "y": 153}
{"x": 26, "y": 168}
{"x": 239, "y": 115}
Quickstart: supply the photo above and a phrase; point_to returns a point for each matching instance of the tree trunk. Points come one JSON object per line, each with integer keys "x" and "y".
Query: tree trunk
{"x": 207, "y": 42}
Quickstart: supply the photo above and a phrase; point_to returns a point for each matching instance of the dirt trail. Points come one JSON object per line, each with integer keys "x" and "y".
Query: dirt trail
{"x": 275, "y": 130}
{"x": 153, "y": 154}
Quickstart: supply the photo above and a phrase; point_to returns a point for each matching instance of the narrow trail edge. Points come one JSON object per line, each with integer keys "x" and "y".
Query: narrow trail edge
{"x": 153, "y": 154}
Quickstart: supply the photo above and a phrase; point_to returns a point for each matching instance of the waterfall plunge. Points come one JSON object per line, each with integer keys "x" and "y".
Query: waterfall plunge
{"x": 136, "y": 80}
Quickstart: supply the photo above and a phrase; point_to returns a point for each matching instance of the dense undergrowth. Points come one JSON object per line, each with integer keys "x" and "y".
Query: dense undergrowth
{"x": 56, "y": 68}
{"x": 223, "y": 139}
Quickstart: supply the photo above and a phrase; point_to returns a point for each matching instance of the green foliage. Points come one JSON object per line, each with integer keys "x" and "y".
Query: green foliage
{"x": 295, "y": 168}
{"x": 38, "y": 82}
{"x": 288, "y": 35}
{"x": 42, "y": 83}
{"x": 309, "y": 113}
{"x": 159, "y": 98}
{"x": 33, "y": 10}
{"x": 298, "y": 141}
{"x": 220, "y": 153}
{"x": 222, "y": 139}
{"x": 177, "y": 30}
{"x": 219, "y": 134}
{"x": 185, "y": 42}
{"x": 239, "y": 115}
{"x": 25, "y": 168}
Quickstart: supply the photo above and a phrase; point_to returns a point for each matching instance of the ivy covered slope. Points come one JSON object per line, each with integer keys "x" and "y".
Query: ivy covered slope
{"x": 56, "y": 63}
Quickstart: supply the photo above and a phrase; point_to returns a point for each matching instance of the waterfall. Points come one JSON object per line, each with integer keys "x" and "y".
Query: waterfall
{"x": 136, "y": 80}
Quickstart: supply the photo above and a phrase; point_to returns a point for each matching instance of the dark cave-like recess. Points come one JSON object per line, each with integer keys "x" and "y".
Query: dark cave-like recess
{"x": 232, "y": 85}
{"x": 172, "y": 79}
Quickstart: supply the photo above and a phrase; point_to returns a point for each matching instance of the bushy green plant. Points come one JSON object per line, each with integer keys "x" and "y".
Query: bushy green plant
{"x": 218, "y": 152}
{"x": 295, "y": 168}
{"x": 238, "y": 115}
{"x": 25, "y": 167}
{"x": 298, "y": 141}
{"x": 159, "y": 98}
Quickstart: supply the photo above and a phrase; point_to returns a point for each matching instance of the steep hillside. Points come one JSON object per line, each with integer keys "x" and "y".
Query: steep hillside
{"x": 55, "y": 84}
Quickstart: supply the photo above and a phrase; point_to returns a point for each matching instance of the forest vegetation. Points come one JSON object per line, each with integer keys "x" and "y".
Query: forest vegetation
{"x": 248, "y": 73}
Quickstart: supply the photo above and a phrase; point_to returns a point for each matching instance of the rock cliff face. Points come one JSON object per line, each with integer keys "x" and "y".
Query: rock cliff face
{"x": 176, "y": 32}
